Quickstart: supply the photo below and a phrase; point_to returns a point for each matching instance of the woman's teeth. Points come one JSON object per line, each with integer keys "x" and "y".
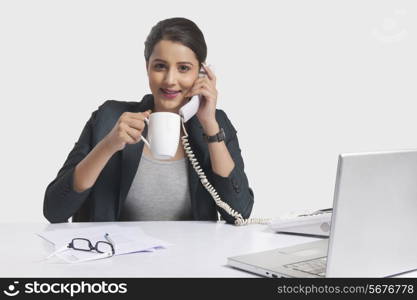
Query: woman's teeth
{"x": 170, "y": 92}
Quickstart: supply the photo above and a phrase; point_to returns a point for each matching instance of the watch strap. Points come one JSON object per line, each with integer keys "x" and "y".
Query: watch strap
{"x": 218, "y": 137}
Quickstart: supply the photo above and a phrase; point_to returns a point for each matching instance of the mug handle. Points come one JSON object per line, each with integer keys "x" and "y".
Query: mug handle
{"x": 142, "y": 138}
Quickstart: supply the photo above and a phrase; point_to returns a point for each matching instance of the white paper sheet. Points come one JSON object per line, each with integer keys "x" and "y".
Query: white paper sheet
{"x": 125, "y": 240}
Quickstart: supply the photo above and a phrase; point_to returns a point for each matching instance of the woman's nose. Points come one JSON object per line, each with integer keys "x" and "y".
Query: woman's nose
{"x": 170, "y": 77}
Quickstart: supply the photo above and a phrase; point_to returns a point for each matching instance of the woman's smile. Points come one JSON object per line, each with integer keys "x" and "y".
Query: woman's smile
{"x": 169, "y": 93}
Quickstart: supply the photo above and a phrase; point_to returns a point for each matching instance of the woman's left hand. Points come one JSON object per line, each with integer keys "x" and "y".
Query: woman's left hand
{"x": 206, "y": 87}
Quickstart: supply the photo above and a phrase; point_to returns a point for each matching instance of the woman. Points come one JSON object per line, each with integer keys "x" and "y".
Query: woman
{"x": 110, "y": 176}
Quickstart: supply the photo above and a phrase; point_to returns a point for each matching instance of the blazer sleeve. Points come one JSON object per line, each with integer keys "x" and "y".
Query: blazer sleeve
{"x": 234, "y": 189}
{"x": 61, "y": 201}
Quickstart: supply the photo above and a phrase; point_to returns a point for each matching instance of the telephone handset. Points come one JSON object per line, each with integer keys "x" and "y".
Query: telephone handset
{"x": 191, "y": 108}
{"x": 187, "y": 112}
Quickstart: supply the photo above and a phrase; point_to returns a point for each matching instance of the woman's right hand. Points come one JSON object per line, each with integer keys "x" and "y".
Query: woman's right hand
{"x": 128, "y": 130}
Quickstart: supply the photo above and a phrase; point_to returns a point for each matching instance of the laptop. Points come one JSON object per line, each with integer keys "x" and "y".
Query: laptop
{"x": 373, "y": 225}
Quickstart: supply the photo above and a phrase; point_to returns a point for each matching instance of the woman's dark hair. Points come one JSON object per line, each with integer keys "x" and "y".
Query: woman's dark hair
{"x": 179, "y": 30}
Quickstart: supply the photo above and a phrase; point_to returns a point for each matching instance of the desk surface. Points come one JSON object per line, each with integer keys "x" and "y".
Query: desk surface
{"x": 200, "y": 249}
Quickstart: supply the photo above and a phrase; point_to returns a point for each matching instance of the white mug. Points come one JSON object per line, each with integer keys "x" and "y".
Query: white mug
{"x": 163, "y": 134}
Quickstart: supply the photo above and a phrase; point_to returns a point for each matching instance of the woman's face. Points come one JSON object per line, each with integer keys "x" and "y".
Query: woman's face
{"x": 172, "y": 70}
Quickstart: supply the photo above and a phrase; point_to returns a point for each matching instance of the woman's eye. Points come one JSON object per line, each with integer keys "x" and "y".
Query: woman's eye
{"x": 184, "y": 68}
{"x": 162, "y": 66}
{"x": 159, "y": 66}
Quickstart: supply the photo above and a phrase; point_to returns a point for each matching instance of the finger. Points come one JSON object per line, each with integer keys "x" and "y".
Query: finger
{"x": 197, "y": 83}
{"x": 133, "y": 120}
{"x": 144, "y": 114}
{"x": 139, "y": 115}
{"x": 201, "y": 86}
{"x": 207, "y": 83}
{"x": 147, "y": 113}
{"x": 193, "y": 92}
{"x": 131, "y": 115}
{"x": 209, "y": 72}
{"x": 134, "y": 134}
{"x": 135, "y": 123}
{"x": 202, "y": 80}
{"x": 202, "y": 91}
{"x": 123, "y": 130}
{"x": 127, "y": 138}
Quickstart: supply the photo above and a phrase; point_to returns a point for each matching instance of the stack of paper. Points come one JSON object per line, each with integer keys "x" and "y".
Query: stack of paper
{"x": 126, "y": 239}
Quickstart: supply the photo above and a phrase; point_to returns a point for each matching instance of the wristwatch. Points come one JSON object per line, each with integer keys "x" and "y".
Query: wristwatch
{"x": 220, "y": 136}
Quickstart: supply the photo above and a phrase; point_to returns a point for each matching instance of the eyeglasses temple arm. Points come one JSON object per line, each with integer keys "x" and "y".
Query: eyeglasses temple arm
{"x": 107, "y": 237}
{"x": 62, "y": 249}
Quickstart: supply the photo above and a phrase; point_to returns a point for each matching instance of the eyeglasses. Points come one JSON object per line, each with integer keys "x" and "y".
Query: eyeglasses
{"x": 82, "y": 244}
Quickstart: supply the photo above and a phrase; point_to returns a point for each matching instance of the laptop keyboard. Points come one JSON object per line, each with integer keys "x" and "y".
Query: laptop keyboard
{"x": 315, "y": 266}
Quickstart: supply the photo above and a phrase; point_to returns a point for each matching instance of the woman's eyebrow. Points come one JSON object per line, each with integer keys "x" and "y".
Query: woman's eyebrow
{"x": 180, "y": 62}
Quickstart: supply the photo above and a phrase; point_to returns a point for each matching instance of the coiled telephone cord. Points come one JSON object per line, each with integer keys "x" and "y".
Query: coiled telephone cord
{"x": 239, "y": 220}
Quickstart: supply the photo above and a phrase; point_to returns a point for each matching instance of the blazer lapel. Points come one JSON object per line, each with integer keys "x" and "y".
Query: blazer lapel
{"x": 131, "y": 156}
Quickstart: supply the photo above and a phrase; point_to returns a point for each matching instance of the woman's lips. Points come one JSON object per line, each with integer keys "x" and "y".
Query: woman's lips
{"x": 169, "y": 94}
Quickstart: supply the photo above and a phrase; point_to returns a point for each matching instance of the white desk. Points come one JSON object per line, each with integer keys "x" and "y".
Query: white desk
{"x": 200, "y": 249}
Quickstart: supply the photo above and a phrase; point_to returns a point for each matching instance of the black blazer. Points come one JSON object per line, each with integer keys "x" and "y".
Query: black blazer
{"x": 104, "y": 200}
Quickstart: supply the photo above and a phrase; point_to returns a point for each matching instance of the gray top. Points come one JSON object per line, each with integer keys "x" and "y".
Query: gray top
{"x": 159, "y": 191}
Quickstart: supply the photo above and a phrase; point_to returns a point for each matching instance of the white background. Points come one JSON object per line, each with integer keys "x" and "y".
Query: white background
{"x": 302, "y": 81}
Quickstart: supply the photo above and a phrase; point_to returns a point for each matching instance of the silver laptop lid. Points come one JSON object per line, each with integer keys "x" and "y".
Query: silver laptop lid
{"x": 374, "y": 215}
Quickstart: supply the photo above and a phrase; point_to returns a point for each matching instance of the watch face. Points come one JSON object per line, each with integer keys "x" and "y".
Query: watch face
{"x": 220, "y": 136}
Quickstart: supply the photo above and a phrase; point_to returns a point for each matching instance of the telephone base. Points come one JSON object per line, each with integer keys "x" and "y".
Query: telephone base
{"x": 321, "y": 236}
{"x": 316, "y": 224}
